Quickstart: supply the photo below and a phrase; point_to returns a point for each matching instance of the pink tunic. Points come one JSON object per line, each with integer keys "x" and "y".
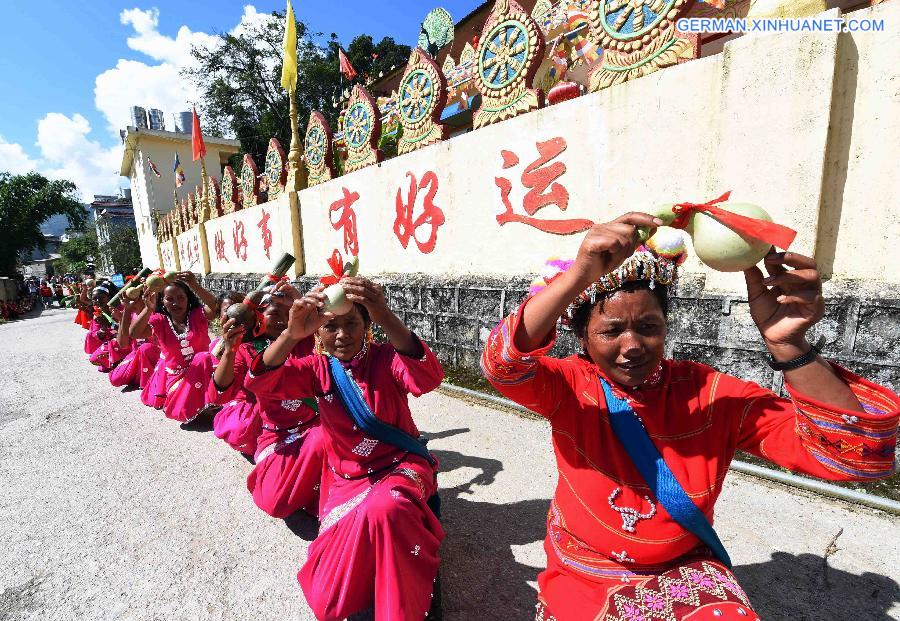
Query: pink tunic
{"x": 378, "y": 541}
{"x": 186, "y": 365}
{"x": 137, "y": 367}
{"x": 96, "y": 336}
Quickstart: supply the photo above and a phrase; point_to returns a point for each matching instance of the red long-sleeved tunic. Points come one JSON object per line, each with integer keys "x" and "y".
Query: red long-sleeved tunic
{"x": 603, "y": 525}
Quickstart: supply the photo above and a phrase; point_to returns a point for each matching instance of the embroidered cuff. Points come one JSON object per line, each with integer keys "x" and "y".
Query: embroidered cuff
{"x": 422, "y": 346}
{"x": 258, "y": 366}
{"x": 501, "y": 362}
{"x": 853, "y": 444}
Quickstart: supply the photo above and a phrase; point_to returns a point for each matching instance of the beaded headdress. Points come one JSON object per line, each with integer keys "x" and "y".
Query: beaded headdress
{"x": 657, "y": 263}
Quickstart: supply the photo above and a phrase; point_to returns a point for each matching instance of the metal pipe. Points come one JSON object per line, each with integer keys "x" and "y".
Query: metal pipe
{"x": 786, "y": 478}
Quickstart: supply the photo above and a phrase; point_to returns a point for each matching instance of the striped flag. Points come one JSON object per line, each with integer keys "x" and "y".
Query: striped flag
{"x": 179, "y": 172}
{"x": 153, "y": 168}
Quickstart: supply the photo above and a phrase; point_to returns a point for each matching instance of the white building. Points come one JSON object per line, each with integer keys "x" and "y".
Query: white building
{"x": 141, "y": 147}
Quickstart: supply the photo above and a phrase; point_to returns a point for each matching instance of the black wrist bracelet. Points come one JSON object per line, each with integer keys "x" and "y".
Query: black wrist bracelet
{"x": 800, "y": 361}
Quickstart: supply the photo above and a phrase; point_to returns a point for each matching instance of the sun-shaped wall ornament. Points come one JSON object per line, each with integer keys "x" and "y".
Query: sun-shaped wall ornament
{"x": 638, "y": 37}
{"x": 362, "y": 129}
{"x": 421, "y": 98}
{"x": 214, "y": 195}
{"x": 318, "y": 150}
{"x": 276, "y": 170}
{"x": 509, "y": 51}
{"x": 249, "y": 182}
{"x": 231, "y": 197}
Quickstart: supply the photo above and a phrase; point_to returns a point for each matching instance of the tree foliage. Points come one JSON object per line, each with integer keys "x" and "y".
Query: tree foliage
{"x": 79, "y": 253}
{"x": 240, "y": 80}
{"x": 26, "y": 201}
{"x": 122, "y": 252}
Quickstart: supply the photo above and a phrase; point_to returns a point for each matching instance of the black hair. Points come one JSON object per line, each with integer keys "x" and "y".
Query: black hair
{"x": 193, "y": 300}
{"x": 106, "y": 284}
{"x": 582, "y": 315}
{"x": 234, "y": 296}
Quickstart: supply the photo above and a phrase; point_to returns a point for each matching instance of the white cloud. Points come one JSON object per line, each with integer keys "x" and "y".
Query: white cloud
{"x": 13, "y": 158}
{"x": 68, "y": 153}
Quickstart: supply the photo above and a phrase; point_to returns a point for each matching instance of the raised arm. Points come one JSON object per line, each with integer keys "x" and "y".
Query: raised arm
{"x": 140, "y": 329}
{"x": 123, "y": 338}
{"x": 604, "y": 248}
{"x": 784, "y": 306}
{"x": 210, "y": 303}
{"x": 303, "y": 320}
{"x": 232, "y": 335}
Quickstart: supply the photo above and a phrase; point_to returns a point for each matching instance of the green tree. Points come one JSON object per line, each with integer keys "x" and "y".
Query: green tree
{"x": 123, "y": 250}
{"x": 240, "y": 80}
{"x": 26, "y": 201}
{"x": 80, "y": 252}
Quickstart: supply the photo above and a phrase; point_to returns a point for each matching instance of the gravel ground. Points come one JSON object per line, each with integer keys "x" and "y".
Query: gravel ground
{"x": 110, "y": 511}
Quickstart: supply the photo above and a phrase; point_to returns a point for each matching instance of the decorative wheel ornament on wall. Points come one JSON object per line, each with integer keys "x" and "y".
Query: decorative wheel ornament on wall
{"x": 638, "y": 37}
{"x": 421, "y": 98}
{"x": 249, "y": 182}
{"x": 510, "y": 49}
{"x": 276, "y": 170}
{"x": 214, "y": 194}
{"x": 318, "y": 150}
{"x": 362, "y": 129}
{"x": 231, "y": 199}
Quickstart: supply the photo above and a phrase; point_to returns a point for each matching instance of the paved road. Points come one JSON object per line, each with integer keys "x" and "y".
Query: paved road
{"x": 110, "y": 511}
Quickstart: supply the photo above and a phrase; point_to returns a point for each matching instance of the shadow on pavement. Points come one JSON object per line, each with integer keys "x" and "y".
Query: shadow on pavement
{"x": 803, "y": 588}
{"x": 477, "y": 563}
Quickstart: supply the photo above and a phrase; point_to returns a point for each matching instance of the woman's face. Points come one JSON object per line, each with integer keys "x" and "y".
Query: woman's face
{"x": 276, "y": 314}
{"x": 343, "y": 336}
{"x": 175, "y": 301}
{"x": 626, "y": 339}
{"x": 223, "y": 308}
{"x": 100, "y": 298}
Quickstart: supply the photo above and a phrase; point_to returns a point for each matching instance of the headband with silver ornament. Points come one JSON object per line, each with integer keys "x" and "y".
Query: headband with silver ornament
{"x": 656, "y": 263}
{"x": 100, "y": 288}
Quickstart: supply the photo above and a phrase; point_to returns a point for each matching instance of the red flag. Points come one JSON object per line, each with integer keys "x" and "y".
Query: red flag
{"x": 346, "y": 68}
{"x": 197, "y": 138}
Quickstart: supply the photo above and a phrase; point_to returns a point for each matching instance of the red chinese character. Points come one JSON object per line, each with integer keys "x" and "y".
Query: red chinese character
{"x": 219, "y": 243}
{"x": 240, "y": 240}
{"x": 346, "y": 220}
{"x": 540, "y": 178}
{"x": 405, "y": 226}
{"x": 263, "y": 225}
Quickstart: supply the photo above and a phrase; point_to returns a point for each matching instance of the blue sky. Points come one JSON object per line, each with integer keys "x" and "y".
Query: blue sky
{"x": 69, "y": 70}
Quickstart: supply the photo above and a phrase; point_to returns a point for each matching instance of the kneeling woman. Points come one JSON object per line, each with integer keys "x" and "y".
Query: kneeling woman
{"x": 281, "y": 433}
{"x": 136, "y": 359}
{"x": 378, "y": 541}
{"x": 643, "y": 443}
{"x": 101, "y": 329}
{"x": 179, "y": 320}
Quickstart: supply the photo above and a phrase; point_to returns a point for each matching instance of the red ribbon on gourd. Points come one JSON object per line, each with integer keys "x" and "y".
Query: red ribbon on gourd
{"x": 336, "y": 263}
{"x": 260, "y": 327}
{"x": 763, "y": 230}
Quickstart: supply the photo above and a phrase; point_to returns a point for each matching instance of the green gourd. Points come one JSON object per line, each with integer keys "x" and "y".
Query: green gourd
{"x": 337, "y": 298}
{"x": 718, "y": 246}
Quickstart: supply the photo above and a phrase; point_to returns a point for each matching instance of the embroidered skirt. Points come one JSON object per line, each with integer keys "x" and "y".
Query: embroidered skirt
{"x": 377, "y": 546}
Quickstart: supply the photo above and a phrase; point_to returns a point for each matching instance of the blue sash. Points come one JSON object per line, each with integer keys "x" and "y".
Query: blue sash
{"x": 356, "y": 406}
{"x": 663, "y": 484}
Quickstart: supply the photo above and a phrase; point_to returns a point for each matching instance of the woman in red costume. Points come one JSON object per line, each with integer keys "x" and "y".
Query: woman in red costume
{"x": 101, "y": 328}
{"x": 137, "y": 359}
{"x": 179, "y": 321}
{"x": 614, "y": 551}
{"x": 281, "y": 433}
{"x": 378, "y": 541}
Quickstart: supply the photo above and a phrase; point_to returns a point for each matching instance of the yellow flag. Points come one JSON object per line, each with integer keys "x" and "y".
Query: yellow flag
{"x": 289, "y": 66}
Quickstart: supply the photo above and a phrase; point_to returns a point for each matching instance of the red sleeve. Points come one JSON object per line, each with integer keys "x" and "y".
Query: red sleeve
{"x": 529, "y": 378}
{"x": 806, "y": 435}
{"x": 417, "y": 376}
{"x": 295, "y": 379}
{"x": 157, "y": 322}
{"x": 241, "y": 364}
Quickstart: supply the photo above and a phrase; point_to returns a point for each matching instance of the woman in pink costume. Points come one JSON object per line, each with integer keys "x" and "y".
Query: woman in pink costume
{"x": 280, "y": 432}
{"x": 378, "y": 541}
{"x": 180, "y": 325}
{"x": 101, "y": 329}
{"x": 141, "y": 356}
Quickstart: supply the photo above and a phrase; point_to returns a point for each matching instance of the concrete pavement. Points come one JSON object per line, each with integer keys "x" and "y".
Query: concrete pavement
{"x": 110, "y": 511}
